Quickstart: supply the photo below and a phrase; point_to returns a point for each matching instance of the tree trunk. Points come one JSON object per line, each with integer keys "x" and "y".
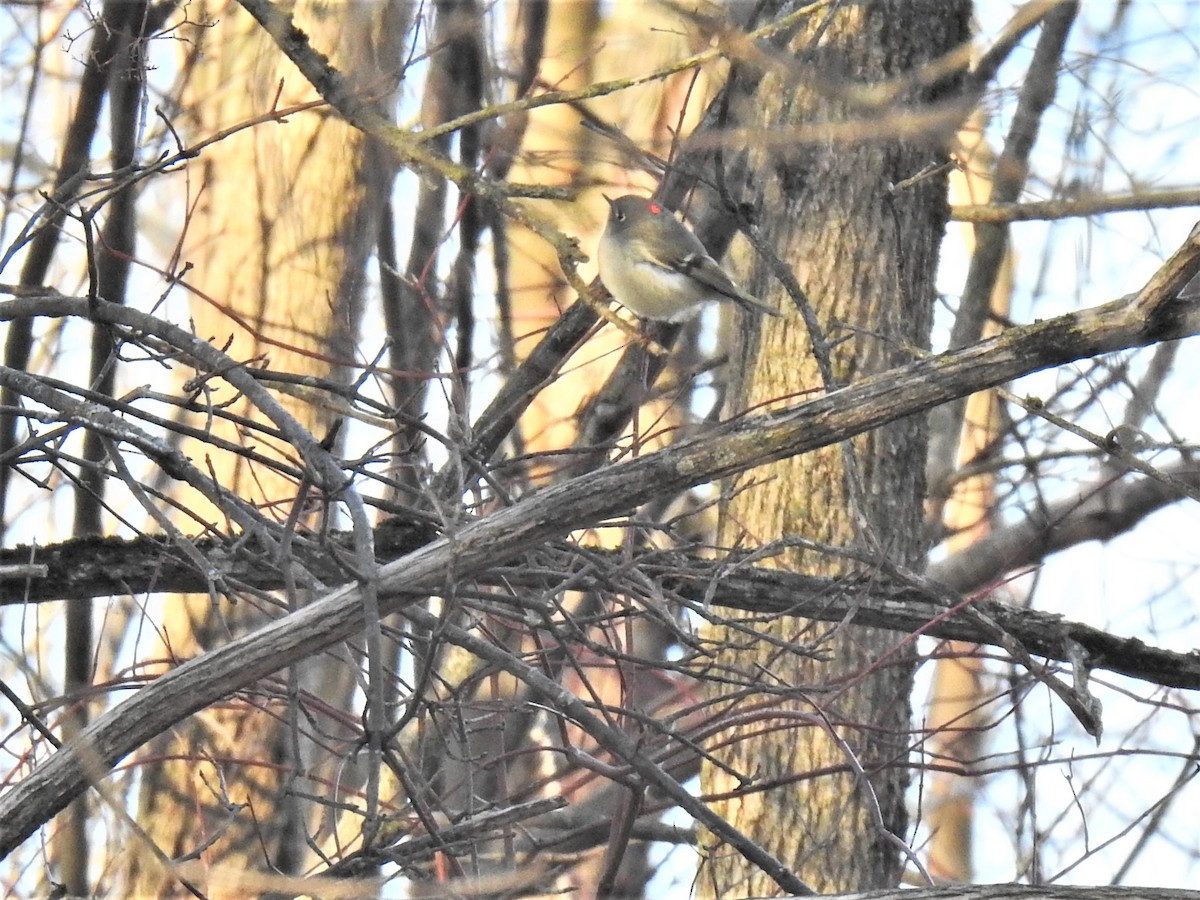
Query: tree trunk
{"x": 957, "y": 708}
{"x": 866, "y": 258}
{"x": 568, "y": 46}
{"x": 282, "y": 220}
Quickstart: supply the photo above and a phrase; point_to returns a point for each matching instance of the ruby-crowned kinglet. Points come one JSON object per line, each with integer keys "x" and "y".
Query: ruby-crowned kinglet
{"x": 653, "y": 265}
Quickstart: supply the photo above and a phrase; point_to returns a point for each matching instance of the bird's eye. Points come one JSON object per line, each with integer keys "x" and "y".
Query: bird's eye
{"x": 618, "y": 215}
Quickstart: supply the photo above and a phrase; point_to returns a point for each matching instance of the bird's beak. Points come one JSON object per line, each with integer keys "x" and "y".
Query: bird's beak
{"x": 608, "y": 199}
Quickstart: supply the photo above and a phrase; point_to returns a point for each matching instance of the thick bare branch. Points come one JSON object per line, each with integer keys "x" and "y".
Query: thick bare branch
{"x": 940, "y": 606}
{"x": 1078, "y": 207}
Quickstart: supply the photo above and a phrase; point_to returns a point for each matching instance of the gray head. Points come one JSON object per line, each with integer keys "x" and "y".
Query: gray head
{"x": 630, "y": 211}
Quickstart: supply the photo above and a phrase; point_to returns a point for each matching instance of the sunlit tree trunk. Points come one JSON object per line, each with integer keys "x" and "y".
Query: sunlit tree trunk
{"x": 956, "y": 715}
{"x": 282, "y": 219}
{"x": 564, "y": 46}
{"x": 866, "y": 258}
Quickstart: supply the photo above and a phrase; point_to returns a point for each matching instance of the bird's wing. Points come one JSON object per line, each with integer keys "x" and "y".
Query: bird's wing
{"x": 708, "y": 271}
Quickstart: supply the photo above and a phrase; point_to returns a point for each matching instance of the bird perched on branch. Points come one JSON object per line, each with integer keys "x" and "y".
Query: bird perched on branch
{"x": 653, "y": 265}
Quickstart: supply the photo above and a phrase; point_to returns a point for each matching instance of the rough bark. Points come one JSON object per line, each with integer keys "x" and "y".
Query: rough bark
{"x": 830, "y": 736}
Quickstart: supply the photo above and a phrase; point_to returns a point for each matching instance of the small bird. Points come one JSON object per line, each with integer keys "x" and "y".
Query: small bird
{"x": 653, "y": 265}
